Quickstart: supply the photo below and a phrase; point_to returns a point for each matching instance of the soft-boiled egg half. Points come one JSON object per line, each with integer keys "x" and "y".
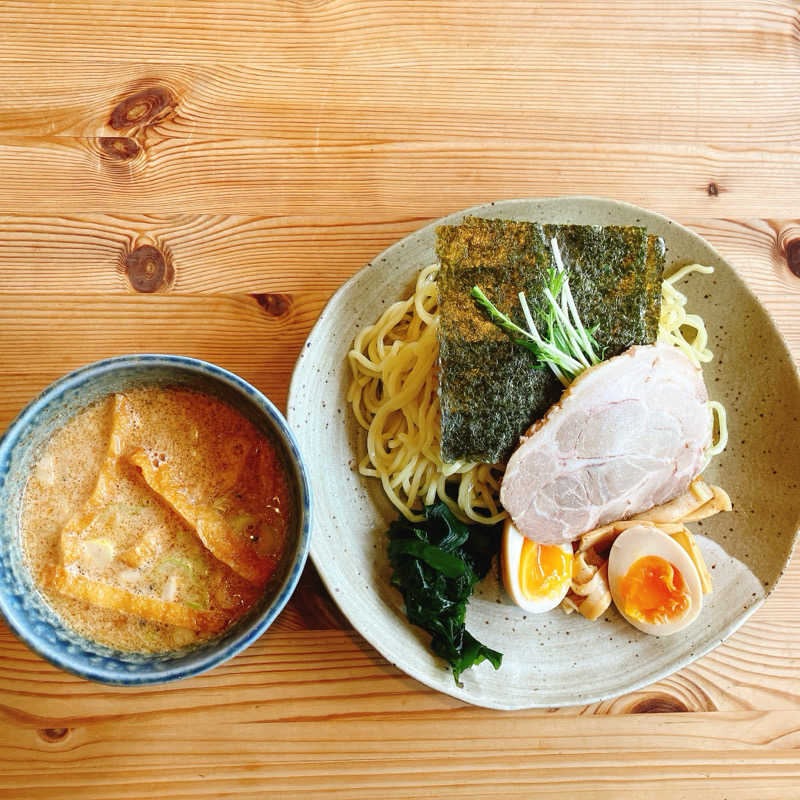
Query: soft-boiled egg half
{"x": 536, "y": 576}
{"x": 654, "y": 583}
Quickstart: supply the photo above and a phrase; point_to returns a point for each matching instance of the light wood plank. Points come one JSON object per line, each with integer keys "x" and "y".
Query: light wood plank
{"x": 684, "y": 100}
{"x": 235, "y": 332}
{"x": 306, "y": 664}
{"x": 396, "y": 177}
{"x": 756, "y": 754}
{"x": 395, "y": 33}
{"x": 210, "y": 253}
{"x": 238, "y": 253}
{"x": 235, "y": 329}
{"x": 276, "y": 714}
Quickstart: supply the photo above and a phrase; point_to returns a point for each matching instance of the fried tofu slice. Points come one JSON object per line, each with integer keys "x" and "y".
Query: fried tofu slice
{"x": 145, "y": 549}
{"x": 122, "y": 423}
{"x": 106, "y": 596}
{"x": 208, "y": 522}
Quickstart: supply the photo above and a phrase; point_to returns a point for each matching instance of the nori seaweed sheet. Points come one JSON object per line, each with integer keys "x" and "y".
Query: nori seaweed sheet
{"x": 606, "y": 267}
{"x": 489, "y": 387}
{"x": 491, "y": 390}
{"x": 654, "y": 275}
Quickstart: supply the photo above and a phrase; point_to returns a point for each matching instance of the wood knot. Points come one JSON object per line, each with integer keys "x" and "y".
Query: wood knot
{"x": 792, "y": 250}
{"x": 53, "y": 734}
{"x": 274, "y": 305}
{"x": 712, "y": 189}
{"x": 787, "y": 244}
{"x": 148, "y": 269}
{"x": 661, "y": 704}
{"x": 142, "y": 108}
{"x": 119, "y": 148}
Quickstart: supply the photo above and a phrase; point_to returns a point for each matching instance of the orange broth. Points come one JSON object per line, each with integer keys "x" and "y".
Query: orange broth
{"x": 156, "y": 519}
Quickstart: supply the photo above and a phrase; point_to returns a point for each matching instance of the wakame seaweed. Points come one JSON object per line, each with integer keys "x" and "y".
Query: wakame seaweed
{"x": 436, "y": 564}
{"x": 489, "y": 392}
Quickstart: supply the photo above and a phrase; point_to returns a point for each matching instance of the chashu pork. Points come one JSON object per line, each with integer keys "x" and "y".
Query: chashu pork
{"x": 628, "y": 434}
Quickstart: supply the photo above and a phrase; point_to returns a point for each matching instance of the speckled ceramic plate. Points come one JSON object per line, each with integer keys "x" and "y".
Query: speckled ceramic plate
{"x": 551, "y": 659}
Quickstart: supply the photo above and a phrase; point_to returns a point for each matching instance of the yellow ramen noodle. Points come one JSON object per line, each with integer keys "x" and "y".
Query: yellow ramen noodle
{"x": 674, "y": 326}
{"x": 394, "y": 395}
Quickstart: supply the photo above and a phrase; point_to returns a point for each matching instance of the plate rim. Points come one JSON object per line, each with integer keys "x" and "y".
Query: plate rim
{"x": 453, "y": 690}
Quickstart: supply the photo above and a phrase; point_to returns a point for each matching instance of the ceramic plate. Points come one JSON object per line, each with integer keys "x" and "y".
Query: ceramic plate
{"x": 552, "y": 659}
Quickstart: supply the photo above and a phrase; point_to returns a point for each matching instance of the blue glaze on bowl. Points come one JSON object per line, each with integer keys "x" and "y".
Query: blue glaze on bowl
{"x": 23, "y": 606}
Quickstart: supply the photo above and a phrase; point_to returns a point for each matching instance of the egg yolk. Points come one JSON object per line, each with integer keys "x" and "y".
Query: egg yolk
{"x": 543, "y": 569}
{"x": 654, "y": 591}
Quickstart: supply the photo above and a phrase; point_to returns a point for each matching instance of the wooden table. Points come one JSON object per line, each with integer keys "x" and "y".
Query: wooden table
{"x": 199, "y": 177}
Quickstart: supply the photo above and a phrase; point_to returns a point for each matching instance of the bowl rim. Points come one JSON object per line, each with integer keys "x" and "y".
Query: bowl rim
{"x": 143, "y": 674}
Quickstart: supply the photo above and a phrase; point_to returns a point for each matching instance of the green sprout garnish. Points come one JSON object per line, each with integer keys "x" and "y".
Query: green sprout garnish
{"x": 567, "y": 346}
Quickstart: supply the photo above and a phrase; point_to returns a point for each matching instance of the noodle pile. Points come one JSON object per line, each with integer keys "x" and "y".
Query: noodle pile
{"x": 395, "y": 398}
{"x": 671, "y": 329}
{"x": 674, "y": 318}
{"x": 394, "y": 393}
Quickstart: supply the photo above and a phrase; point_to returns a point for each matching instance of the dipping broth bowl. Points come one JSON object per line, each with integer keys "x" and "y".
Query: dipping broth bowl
{"x": 23, "y": 606}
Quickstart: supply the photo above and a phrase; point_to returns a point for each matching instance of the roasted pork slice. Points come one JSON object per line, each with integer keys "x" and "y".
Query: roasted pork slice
{"x": 628, "y": 434}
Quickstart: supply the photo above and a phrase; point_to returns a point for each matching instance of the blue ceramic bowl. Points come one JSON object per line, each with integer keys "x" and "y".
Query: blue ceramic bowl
{"x": 24, "y": 608}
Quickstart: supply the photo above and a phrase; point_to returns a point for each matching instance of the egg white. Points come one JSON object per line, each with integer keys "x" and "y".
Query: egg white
{"x": 637, "y": 542}
{"x": 511, "y": 550}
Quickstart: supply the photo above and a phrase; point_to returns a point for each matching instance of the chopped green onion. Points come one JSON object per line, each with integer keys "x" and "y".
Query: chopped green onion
{"x": 108, "y": 516}
{"x": 99, "y": 552}
{"x": 223, "y": 504}
{"x": 192, "y": 584}
{"x": 587, "y": 337}
{"x": 189, "y": 567}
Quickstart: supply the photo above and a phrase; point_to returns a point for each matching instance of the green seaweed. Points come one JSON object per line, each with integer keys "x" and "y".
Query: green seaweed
{"x": 488, "y": 389}
{"x": 436, "y": 564}
{"x": 607, "y": 275}
{"x": 654, "y": 275}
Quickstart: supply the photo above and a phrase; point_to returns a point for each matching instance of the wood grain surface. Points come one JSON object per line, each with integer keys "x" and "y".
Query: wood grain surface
{"x": 199, "y": 177}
